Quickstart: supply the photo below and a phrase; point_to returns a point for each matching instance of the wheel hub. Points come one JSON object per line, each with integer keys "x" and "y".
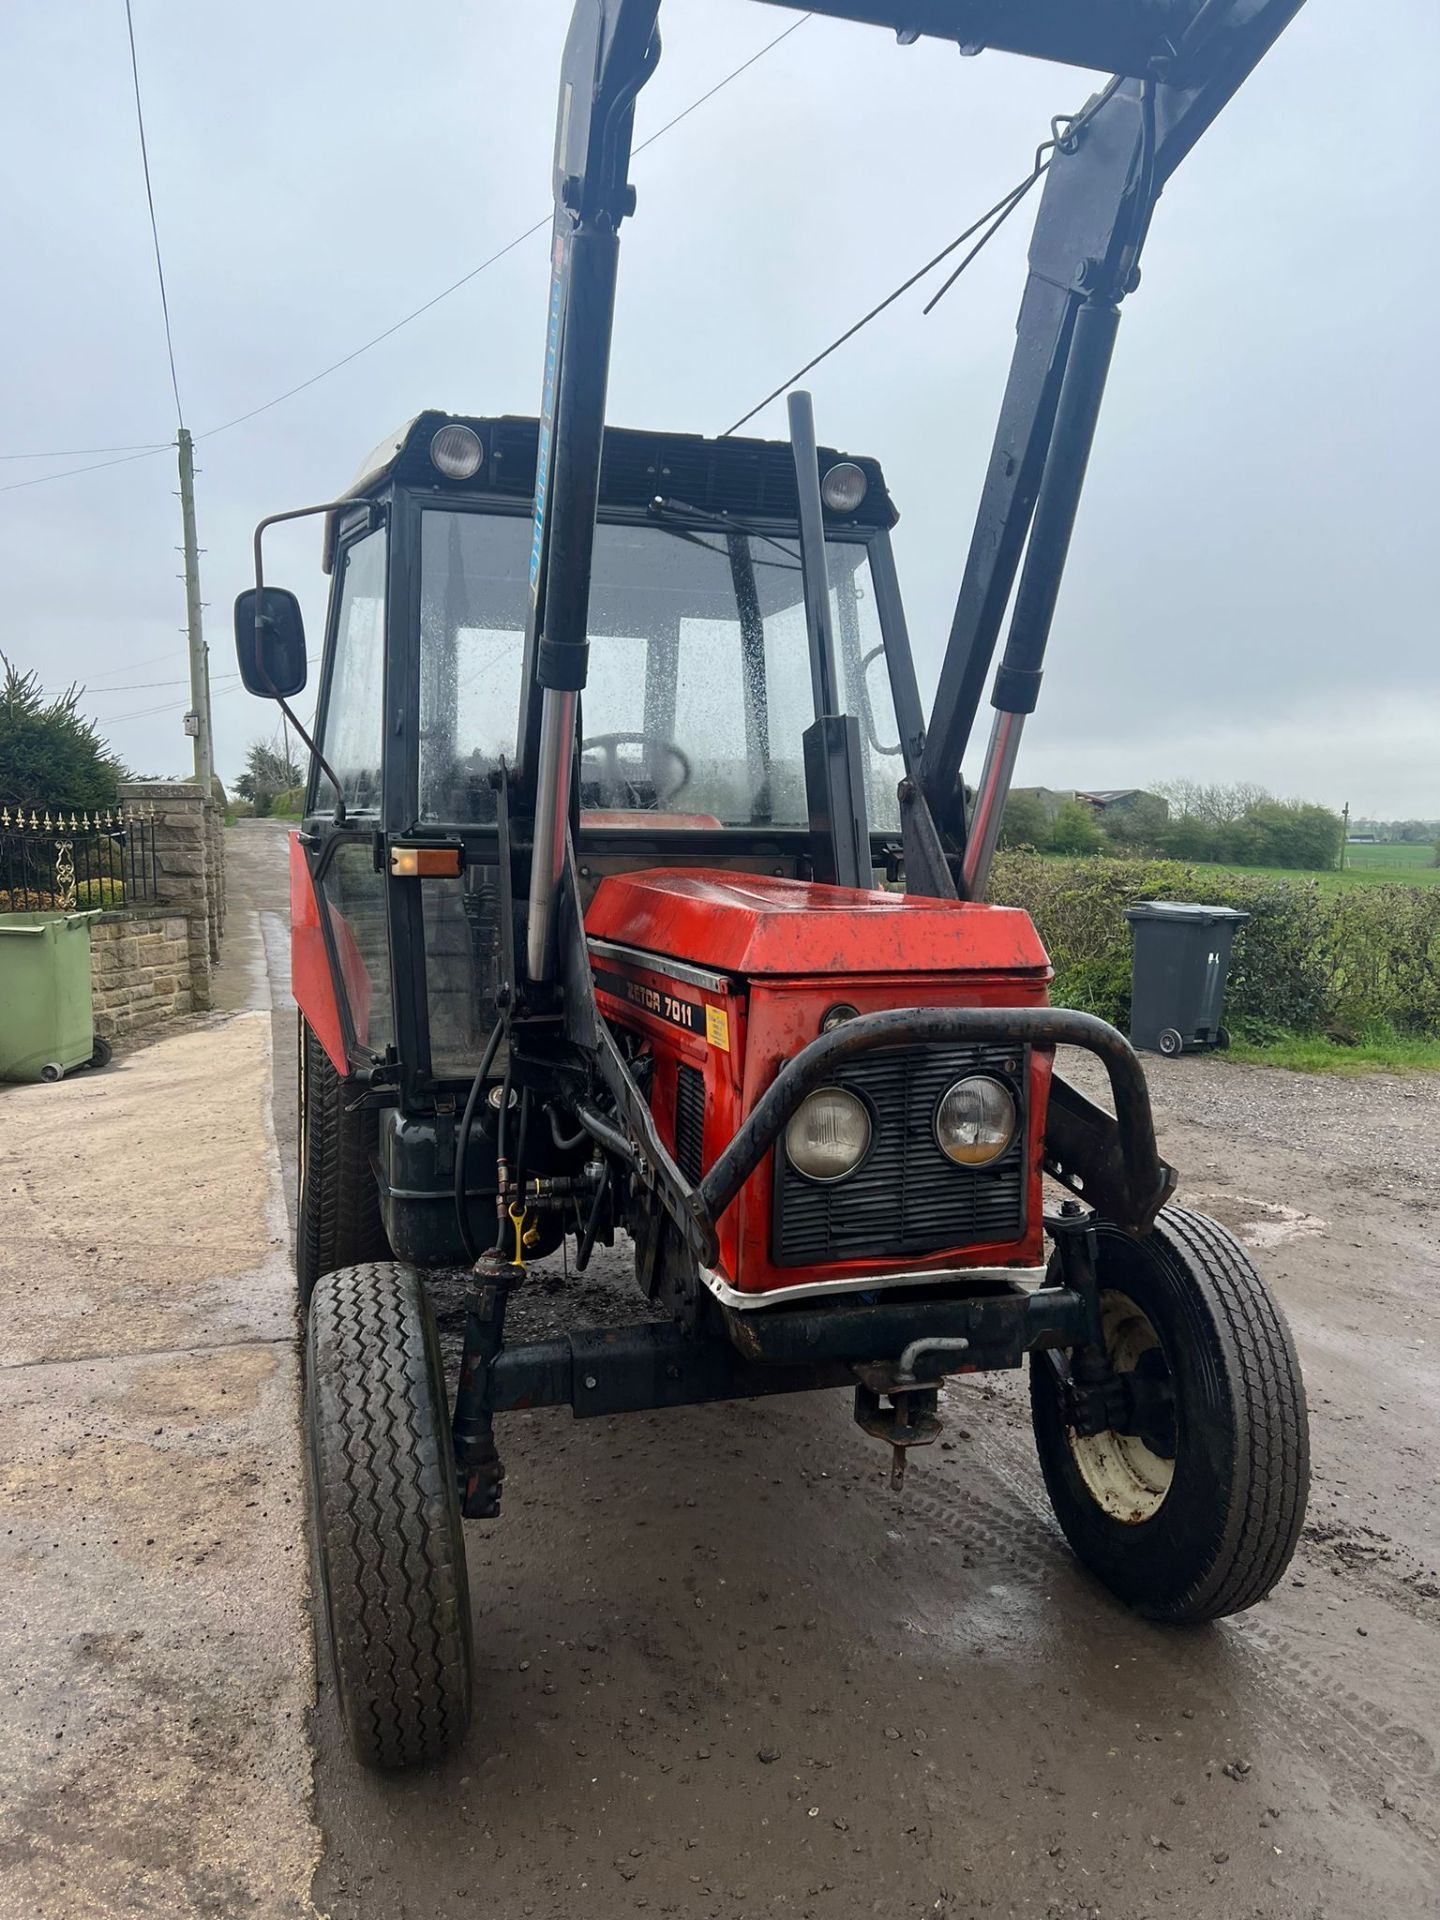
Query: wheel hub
{"x": 1121, "y": 1429}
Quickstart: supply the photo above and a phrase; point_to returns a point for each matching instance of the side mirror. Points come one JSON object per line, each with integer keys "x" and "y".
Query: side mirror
{"x": 270, "y": 642}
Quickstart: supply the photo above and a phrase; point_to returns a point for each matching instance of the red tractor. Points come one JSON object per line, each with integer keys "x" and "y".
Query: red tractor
{"x": 600, "y": 936}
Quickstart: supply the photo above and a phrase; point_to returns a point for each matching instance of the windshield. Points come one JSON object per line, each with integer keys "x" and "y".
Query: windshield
{"x": 699, "y": 686}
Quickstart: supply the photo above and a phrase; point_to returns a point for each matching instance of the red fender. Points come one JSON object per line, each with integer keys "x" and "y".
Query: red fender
{"x": 311, "y": 980}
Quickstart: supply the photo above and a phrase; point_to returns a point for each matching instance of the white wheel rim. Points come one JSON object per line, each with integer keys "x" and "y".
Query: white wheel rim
{"x": 1125, "y": 1478}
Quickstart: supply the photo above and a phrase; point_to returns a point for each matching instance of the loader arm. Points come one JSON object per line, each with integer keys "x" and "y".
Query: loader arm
{"x": 1175, "y": 64}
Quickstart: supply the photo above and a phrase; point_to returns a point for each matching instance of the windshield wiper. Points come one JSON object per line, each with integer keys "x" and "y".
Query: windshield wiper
{"x": 661, "y": 505}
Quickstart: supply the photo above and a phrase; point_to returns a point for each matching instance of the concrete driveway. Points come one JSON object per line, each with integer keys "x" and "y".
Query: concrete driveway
{"x": 154, "y": 1624}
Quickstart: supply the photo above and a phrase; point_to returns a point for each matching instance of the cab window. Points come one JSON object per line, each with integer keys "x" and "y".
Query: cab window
{"x": 353, "y": 731}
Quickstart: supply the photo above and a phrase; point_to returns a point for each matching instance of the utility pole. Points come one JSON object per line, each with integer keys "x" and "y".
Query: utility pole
{"x": 194, "y": 627}
{"x": 1344, "y": 834}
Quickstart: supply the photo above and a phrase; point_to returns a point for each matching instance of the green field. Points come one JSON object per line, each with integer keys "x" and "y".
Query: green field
{"x": 1394, "y": 855}
{"x": 1399, "y": 867}
{"x": 1376, "y": 867}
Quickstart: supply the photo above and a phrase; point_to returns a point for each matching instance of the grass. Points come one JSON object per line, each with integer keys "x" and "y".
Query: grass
{"x": 1313, "y": 1053}
{"x": 1393, "y": 855}
{"x": 1369, "y": 874}
{"x": 1397, "y": 869}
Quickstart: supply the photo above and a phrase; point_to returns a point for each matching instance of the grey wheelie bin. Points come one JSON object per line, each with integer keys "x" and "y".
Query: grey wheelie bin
{"x": 1178, "y": 972}
{"x": 47, "y": 1026}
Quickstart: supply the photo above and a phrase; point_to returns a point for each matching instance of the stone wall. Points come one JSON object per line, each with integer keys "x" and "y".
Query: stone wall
{"x": 152, "y": 961}
{"x": 190, "y": 869}
{"x": 140, "y": 969}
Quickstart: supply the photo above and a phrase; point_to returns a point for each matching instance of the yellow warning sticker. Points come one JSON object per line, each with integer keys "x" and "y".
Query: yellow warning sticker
{"x": 717, "y": 1028}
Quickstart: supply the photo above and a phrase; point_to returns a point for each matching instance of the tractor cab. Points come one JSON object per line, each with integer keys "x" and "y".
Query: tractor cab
{"x": 693, "y": 718}
{"x": 702, "y": 701}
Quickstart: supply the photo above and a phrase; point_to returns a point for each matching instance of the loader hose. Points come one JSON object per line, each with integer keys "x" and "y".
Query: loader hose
{"x": 502, "y": 1170}
{"x": 462, "y": 1142}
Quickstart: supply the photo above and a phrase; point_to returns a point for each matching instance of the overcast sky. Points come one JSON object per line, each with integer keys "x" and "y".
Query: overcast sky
{"x": 1251, "y": 590}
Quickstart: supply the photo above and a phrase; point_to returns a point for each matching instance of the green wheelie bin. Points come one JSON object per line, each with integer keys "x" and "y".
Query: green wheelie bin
{"x": 47, "y": 1026}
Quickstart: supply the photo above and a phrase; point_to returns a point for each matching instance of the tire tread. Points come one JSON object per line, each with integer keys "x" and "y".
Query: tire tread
{"x": 1261, "y": 1396}
{"x": 339, "y": 1222}
{"x": 391, "y": 1543}
{"x": 1275, "y": 1478}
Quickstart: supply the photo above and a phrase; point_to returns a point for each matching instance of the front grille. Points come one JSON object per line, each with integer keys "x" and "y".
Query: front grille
{"x": 689, "y": 1122}
{"x": 907, "y": 1199}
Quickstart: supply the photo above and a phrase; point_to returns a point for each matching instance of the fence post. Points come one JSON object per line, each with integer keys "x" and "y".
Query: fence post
{"x": 188, "y": 867}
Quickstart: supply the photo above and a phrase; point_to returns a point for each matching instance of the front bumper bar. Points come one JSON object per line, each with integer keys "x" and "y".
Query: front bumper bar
{"x": 1122, "y": 1170}
{"x": 792, "y": 1350}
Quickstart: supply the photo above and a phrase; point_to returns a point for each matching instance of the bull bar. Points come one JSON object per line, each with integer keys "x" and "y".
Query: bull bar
{"x": 1139, "y": 1186}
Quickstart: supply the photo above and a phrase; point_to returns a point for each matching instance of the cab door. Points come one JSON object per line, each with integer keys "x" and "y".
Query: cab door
{"x": 343, "y": 942}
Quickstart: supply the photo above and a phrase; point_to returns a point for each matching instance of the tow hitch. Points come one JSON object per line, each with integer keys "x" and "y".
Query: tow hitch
{"x": 910, "y": 1420}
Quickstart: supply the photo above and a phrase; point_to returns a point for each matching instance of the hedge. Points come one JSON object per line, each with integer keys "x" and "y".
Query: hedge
{"x": 1343, "y": 963}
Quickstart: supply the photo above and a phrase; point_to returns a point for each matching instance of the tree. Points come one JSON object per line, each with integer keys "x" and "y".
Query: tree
{"x": 1138, "y": 828}
{"x": 1024, "y": 822}
{"x": 1213, "y": 805}
{"x": 1289, "y": 833}
{"x": 50, "y": 754}
{"x": 1076, "y": 830}
{"x": 269, "y": 770}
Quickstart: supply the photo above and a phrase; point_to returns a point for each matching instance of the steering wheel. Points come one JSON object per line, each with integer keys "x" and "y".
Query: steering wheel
{"x": 616, "y": 788}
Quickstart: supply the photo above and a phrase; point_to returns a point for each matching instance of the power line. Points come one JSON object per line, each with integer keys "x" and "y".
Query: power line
{"x": 744, "y": 66}
{"x": 78, "y": 453}
{"x": 143, "y": 686}
{"x": 130, "y": 666}
{"x": 998, "y": 215}
{"x": 509, "y": 247}
{"x": 154, "y": 228}
{"x": 68, "y": 473}
{"x": 141, "y": 453}
{"x": 336, "y": 365}
{"x": 148, "y": 713}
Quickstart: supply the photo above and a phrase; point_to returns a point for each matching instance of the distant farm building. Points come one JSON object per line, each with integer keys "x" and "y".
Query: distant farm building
{"x": 1117, "y": 802}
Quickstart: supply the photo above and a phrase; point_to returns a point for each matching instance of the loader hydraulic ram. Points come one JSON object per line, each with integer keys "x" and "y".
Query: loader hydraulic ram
{"x": 599, "y": 936}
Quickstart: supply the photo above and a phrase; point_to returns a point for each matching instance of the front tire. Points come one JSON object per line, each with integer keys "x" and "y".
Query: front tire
{"x": 339, "y": 1223}
{"x": 387, "y": 1516}
{"x": 1196, "y": 1514}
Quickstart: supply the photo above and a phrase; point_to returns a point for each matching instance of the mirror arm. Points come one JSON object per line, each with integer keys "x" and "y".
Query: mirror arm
{"x": 294, "y": 513}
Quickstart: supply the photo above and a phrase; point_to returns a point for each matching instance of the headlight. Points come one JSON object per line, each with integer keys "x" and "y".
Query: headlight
{"x": 975, "y": 1122}
{"x": 828, "y": 1135}
{"x": 844, "y": 487}
{"x": 836, "y": 1017}
{"x": 457, "y": 453}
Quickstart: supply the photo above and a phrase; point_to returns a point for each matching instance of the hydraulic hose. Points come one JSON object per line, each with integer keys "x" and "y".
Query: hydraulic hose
{"x": 462, "y": 1142}
{"x": 502, "y": 1171}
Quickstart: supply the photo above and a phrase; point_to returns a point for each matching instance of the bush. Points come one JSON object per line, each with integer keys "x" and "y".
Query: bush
{"x": 1307, "y": 962}
{"x": 1076, "y": 829}
{"x": 50, "y": 754}
{"x": 1269, "y": 833}
{"x": 289, "y": 803}
{"x": 1024, "y": 822}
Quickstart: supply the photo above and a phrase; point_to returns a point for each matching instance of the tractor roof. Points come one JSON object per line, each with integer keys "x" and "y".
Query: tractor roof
{"x": 752, "y": 479}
